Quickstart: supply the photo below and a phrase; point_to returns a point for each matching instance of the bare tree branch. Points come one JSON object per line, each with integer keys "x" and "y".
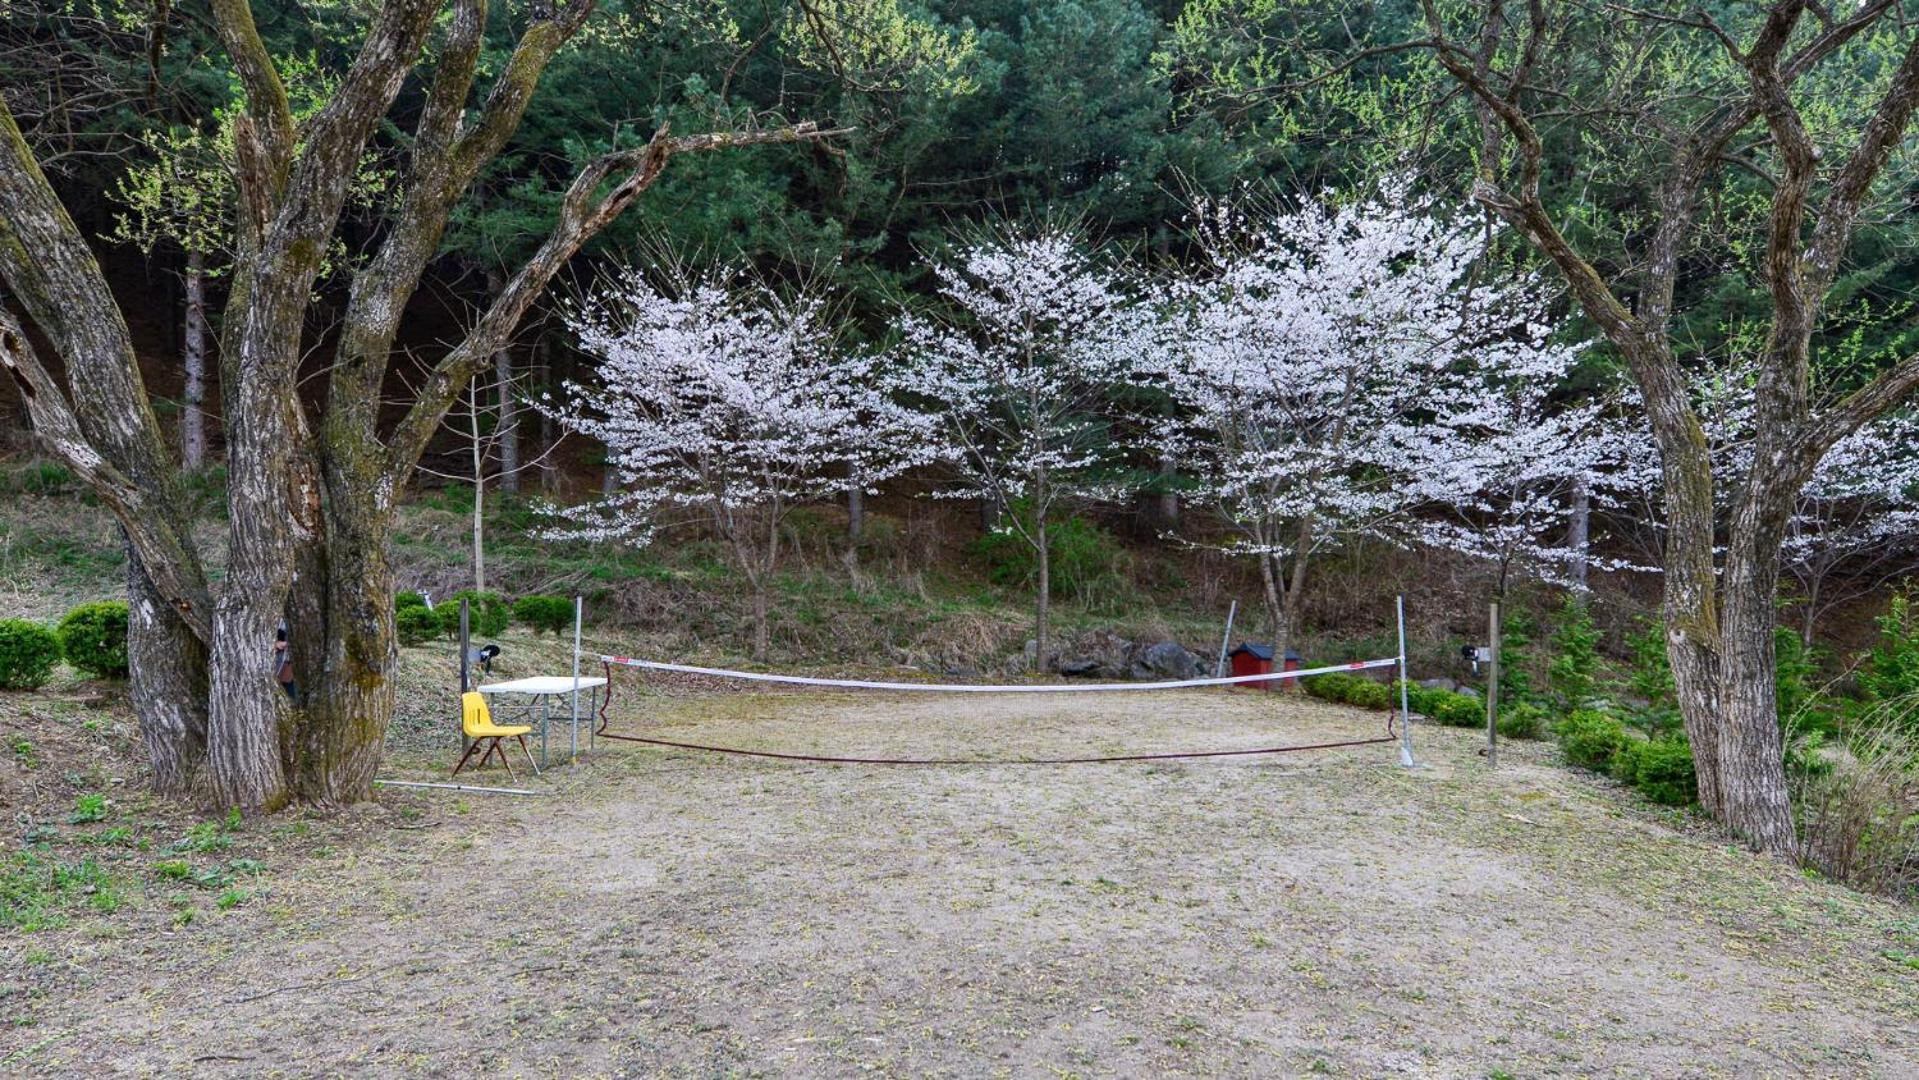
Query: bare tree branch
{"x": 583, "y": 213}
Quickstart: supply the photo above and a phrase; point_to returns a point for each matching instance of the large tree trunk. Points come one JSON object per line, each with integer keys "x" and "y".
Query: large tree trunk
{"x": 342, "y": 731}
{"x": 1752, "y": 780}
{"x": 193, "y": 394}
{"x": 1692, "y": 618}
{"x": 167, "y": 680}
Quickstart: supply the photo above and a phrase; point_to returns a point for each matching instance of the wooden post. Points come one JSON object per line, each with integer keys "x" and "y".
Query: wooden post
{"x": 1492, "y": 692}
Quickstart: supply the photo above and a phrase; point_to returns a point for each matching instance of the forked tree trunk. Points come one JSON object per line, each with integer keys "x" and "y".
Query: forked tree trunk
{"x": 1752, "y": 785}
{"x": 1691, "y": 602}
{"x": 167, "y": 681}
{"x": 193, "y": 394}
{"x": 1269, "y": 573}
{"x": 342, "y": 727}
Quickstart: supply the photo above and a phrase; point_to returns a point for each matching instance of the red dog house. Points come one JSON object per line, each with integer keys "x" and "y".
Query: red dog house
{"x": 1250, "y": 659}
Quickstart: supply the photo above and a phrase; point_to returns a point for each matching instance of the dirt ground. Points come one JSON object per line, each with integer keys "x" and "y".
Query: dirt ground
{"x": 670, "y": 913}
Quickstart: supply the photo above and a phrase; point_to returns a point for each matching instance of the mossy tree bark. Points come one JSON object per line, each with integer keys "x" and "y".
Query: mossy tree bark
{"x": 1720, "y": 611}
{"x": 310, "y": 496}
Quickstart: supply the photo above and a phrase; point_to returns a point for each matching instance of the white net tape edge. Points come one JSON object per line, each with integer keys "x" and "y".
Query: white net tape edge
{"x": 971, "y": 688}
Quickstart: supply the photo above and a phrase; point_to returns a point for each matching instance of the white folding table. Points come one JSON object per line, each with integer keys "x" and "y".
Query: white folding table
{"x": 543, "y": 690}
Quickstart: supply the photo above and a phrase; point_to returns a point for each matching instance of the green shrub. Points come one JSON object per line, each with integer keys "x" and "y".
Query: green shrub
{"x": 488, "y": 613}
{"x": 1515, "y": 678}
{"x": 1367, "y": 694}
{"x": 1086, "y": 562}
{"x": 1660, "y": 768}
{"x": 28, "y": 652}
{"x": 553, "y": 613}
{"x": 1419, "y": 699}
{"x": 1590, "y": 739}
{"x": 1522, "y": 721}
{"x": 1326, "y": 687}
{"x": 1457, "y": 710}
{"x": 404, "y": 600}
{"x": 1892, "y": 670}
{"x": 417, "y": 625}
{"x": 1651, "y": 679}
{"x": 1576, "y": 642}
{"x": 94, "y": 638}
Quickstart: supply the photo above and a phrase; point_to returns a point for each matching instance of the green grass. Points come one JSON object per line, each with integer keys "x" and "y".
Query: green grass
{"x": 38, "y": 890}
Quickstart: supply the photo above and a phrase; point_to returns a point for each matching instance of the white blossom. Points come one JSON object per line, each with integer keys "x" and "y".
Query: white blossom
{"x": 1336, "y": 366}
{"x": 721, "y": 400}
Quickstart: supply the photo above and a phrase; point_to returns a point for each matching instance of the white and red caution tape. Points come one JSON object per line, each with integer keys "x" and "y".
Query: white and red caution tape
{"x": 1003, "y": 688}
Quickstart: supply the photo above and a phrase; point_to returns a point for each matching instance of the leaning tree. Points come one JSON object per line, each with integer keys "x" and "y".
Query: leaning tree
{"x": 314, "y": 475}
{"x": 1662, "y": 156}
{"x": 1750, "y": 107}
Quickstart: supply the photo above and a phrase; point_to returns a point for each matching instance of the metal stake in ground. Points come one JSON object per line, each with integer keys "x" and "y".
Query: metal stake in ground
{"x": 579, "y": 605}
{"x": 1406, "y": 759}
{"x": 1219, "y": 669}
{"x": 1492, "y": 692}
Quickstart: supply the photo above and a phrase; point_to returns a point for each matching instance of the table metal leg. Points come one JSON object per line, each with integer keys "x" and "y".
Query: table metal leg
{"x": 542, "y": 701}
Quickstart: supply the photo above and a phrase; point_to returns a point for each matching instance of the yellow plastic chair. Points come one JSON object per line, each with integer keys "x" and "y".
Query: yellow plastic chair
{"x": 476, "y": 720}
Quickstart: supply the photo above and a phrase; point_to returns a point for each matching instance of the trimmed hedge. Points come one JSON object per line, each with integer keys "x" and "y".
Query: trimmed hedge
{"x": 488, "y": 613}
{"x": 1457, "y": 710}
{"x": 28, "y": 652}
{"x": 1354, "y": 690}
{"x": 553, "y": 613}
{"x": 94, "y": 638}
{"x": 1660, "y": 768}
{"x": 404, "y": 600}
{"x": 417, "y": 625}
{"x": 1442, "y": 706}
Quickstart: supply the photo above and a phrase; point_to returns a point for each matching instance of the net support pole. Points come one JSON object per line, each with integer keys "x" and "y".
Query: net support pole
{"x": 1493, "y": 634}
{"x": 466, "y": 676}
{"x": 579, "y": 604}
{"x": 1406, "y": 759}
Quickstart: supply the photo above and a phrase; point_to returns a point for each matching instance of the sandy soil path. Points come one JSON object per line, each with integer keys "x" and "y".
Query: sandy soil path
{"x": 672, "y": 914}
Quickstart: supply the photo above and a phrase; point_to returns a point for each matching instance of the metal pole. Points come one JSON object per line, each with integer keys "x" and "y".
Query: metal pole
{"x": 1406, "y": 759}
{"x": 466, "y": 678}
{"x": 1219, "y": 669}
{"x": 1492, "y": 694}
{"x": 579, "y": 604}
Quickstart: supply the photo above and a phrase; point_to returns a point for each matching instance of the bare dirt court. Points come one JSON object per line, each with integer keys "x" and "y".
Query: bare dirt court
{"x": 679, "y": 914}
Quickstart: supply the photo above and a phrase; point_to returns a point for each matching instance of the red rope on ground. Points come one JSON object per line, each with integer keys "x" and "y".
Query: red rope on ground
{"x": 1390, "y": 736}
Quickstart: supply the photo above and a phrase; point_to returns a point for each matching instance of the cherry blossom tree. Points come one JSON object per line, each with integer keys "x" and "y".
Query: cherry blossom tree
{"x": 1015, "y": 370}
{"x": 723, "y": 401}
{"x": 1327, "y": 362}
{"x": 1502, "y": 479}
